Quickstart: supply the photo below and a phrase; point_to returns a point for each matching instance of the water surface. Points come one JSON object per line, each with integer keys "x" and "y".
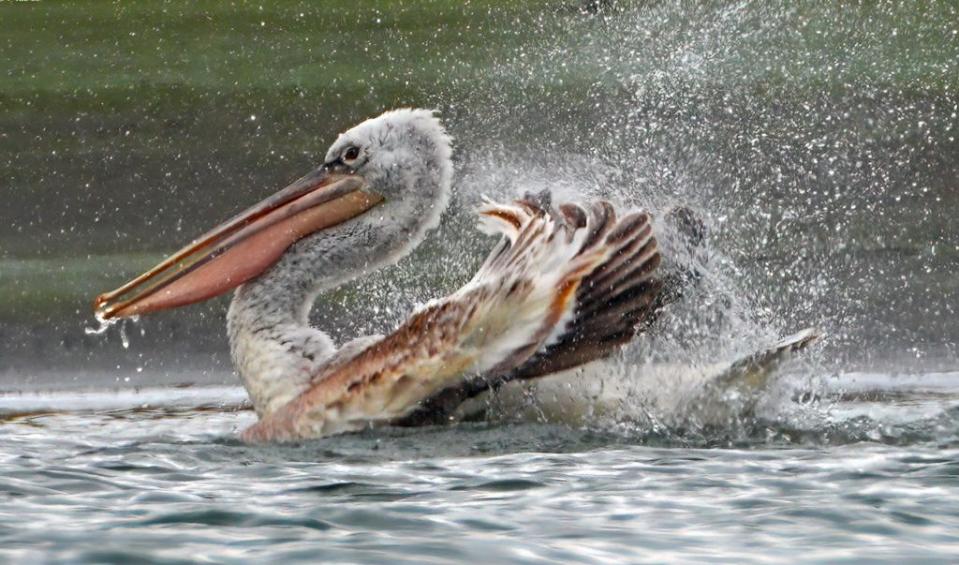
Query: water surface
{"x": 875, "y": 475}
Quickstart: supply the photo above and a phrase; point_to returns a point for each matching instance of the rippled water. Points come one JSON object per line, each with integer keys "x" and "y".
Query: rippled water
{"x": 816, "y": 140}
{"x": 874, "y": 475}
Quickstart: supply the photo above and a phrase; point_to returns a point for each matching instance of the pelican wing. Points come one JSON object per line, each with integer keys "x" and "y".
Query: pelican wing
{"x": 612, "y": 303}
{"x": 523, "y": 300}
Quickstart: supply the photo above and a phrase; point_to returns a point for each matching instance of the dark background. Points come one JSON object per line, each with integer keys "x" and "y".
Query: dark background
{"x": 819, "y": 143}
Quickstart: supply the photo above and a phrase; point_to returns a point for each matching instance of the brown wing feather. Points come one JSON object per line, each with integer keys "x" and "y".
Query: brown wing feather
{"x": 612, "y": 303}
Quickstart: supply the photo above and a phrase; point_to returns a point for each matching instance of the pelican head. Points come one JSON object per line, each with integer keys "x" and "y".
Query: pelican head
{"x": 401, "y": 154}
{"x": 382, "y": 185}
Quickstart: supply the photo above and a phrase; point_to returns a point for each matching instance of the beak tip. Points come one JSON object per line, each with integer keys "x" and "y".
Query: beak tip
{"x": 101, "y": 307}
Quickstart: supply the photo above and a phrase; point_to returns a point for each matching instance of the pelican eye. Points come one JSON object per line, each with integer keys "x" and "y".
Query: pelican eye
{"x": 351, "y": 154}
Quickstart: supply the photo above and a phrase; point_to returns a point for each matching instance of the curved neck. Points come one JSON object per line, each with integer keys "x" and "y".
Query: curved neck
{"x": 274, "y": 350}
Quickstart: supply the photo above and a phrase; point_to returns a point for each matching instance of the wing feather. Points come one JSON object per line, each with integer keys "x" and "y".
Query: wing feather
{"x": 519, "y": 300}
{"x": 612, "y": 302}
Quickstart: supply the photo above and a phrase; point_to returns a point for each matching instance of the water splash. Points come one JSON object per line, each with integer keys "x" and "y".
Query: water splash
{"x": 796, "y": 131}
{"x": 105, "y": 324}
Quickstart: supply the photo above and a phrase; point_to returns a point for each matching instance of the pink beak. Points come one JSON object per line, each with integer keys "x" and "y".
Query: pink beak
{"x": 243, "y": 247}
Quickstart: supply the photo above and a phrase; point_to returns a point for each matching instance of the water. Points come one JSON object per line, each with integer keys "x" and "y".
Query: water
{"x": 818, "y": 142}
{"x": 876, "y": 477}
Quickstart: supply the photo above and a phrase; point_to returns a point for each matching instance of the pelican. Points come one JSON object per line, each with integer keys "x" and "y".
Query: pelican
{"x": 565, "y": 285}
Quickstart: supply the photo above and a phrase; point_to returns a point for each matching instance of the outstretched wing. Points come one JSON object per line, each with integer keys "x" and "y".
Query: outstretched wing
{"x": 611, "y": 304}
{"x": 520, "y": 301}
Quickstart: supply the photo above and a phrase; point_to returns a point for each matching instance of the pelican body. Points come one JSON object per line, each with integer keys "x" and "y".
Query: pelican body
{"x": 564, "y": 285}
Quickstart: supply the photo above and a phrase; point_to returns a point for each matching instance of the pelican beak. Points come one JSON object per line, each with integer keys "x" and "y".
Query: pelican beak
{"x": 244, "y": 246}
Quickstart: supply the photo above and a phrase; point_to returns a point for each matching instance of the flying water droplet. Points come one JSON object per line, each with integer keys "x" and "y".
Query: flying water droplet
{"x": 124, "y": 339}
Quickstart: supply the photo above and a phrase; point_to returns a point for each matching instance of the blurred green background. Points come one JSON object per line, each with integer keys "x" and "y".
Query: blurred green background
{"x": 817, "y": 140}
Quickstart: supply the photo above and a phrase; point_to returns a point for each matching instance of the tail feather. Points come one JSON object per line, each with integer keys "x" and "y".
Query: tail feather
{"x": 753, "y": 370}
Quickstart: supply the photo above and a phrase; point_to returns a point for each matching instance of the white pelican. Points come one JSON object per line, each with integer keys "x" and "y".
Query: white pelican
{"x": 564, "y": 286}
